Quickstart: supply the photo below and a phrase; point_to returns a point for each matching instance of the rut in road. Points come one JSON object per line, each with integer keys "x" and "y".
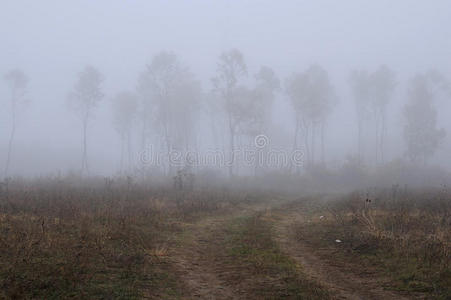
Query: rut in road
{"x": 196, "y": 263}
{"x": 348, "y": 283}
{"x": 199, "y": 266}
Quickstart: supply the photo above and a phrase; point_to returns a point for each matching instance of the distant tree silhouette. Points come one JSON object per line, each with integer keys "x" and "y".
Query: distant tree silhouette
{"x": 173, "y": 94}
{"x": 83, "y": 99}
{"x": 359, "y": 81}
{"x": 421, "y": 134}
{"x": 230, "y": 69}
{"x": 312, "y": 98}
{"x": 125, "y": 106}
{"x": 17, "y": 82}
{"x": 383, "y": 84}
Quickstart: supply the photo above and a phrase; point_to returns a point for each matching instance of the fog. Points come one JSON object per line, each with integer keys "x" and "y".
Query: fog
{"x": 131, "y": 45}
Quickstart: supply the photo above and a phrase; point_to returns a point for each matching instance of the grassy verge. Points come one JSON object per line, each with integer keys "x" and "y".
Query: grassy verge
{"x": 54, "y": 258}
{"x": 406, "y": 241}
{"x": 260, "y": 267}
{"x": 94, "y": 242}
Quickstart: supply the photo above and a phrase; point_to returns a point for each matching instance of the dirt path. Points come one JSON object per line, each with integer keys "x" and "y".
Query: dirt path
{"x": 191, "y": 259}
{"x": 196, "y": 263}
{"x": 197, "y": 266}
{"x": 343, "y": 282}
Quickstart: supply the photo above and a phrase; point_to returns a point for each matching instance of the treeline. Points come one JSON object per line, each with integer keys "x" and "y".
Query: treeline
{"x": 173, "y": 116}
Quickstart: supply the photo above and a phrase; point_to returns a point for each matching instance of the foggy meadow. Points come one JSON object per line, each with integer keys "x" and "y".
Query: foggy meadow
{"x": 225, "y": 150}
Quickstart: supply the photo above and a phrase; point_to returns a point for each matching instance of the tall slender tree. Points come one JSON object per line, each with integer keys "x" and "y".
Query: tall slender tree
{"x": 421, "y": 134}
{"x": 359, "y": 81}
{"x": 262, "y": 99}
{"x": 146, "y": 107}
{"x": 382, "y": 87}
{"x": 174, "y": 94}
{"x": 231, "y": 68}
{"x": 267, "y": 84}
{"x": 84, "y": 98}
{"x": 17, "y": 82}
{"x": 312, "y": 98}
{"x": 124, "y": 113}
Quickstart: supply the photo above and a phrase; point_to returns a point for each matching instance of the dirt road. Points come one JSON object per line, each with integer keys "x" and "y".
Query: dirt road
{"x": 205, "y": 274}
{"x": 344, "y": 281}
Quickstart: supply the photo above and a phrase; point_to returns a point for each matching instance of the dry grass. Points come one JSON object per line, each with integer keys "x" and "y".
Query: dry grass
{"x": 406, "y": 236}
{"x": 93, "y": 239}
{"x": 260, "y": 269}
{"x": 96, "y": 238}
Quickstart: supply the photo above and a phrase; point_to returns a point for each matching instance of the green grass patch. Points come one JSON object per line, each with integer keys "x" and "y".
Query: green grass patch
{"x": 251, "y": 248}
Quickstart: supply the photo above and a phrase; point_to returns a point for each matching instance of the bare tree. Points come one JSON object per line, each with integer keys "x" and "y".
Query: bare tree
{"x": 124, "y": 113}
{"x": 83, "y": 99}
{"x": 312, "y": 97}
{"x": 264, "y": 94}
{"x": 262, "y": 100}
{"x": 360, "y": 84}
{"x": 215, "y": 113}
{"x": 242, "y": 109}
{"x": 382, "y": 87}
{"x": 146, "y": 106}
{"x": 421, "y": 134}
{"x": 231, "y": 67}
{"x": 17, "y": 82}
{"x": 186, "y": 99}
{"x": 174, "y": 94}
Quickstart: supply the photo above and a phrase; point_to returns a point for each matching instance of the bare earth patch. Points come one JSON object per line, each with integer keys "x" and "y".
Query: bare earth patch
{"x": 192, "y": 259}
{"x": 234, "y": 256}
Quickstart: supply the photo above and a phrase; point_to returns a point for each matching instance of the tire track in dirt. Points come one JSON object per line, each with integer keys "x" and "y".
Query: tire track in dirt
{"x": 343, "y": 283}
{"x": 191, "y": 261}
{"x": 195, "y": 263}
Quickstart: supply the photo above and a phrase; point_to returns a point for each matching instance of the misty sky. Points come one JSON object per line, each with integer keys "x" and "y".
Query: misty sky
{"x": 52, "y": 40}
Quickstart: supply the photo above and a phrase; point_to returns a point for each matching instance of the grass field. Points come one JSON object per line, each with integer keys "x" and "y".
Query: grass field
{"x": 104, "y": 239}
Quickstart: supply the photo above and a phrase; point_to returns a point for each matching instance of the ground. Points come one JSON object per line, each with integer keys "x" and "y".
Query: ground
{"x": 205, "y": 260}
{"x": 220, "y": 245}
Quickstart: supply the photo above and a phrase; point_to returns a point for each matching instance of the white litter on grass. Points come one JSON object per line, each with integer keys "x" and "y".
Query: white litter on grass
{"x": 337, "y": 241}
{"x": 321, "y": 217}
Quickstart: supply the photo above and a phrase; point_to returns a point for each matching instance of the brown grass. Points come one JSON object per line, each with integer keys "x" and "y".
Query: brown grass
{"x": 406, "y": 237}
{"x": 94, "y": 239}
{"x": 260, "y": 269}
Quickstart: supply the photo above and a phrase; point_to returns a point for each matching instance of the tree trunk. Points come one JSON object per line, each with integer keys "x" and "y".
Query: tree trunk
{"x": 232, "y": 146}
{"x": 306, "y": 140}
{"x": 295, "y": 140}
{"x": 11, "y": 137}
{"x": 382, "y": 137}
{"x": 129, "y": 150}
{"x": 313, "y": 143}
{"x": 84, "y": 161}
{"x": 214, "y": 132}
{"x": 144, "y": 138}
{"x": 377, "y": 137}
{"x": 122, "y": 153}
{"x": 322, "y": 143}
{"x": 359, "y": 140}
{"x": 168, "y": 149}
